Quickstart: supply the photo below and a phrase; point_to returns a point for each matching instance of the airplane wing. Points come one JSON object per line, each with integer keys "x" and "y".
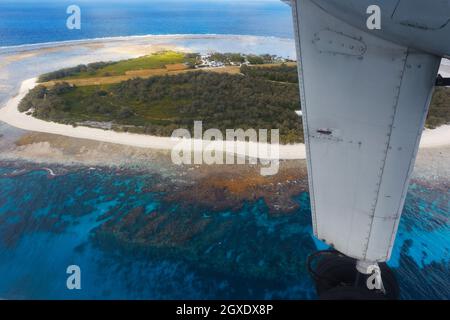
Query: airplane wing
{"x": 364, "y": 102}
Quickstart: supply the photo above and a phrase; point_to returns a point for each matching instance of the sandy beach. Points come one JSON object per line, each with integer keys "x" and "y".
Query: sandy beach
{"x": 128, "y": 47}
{"x": 10, "y": 114}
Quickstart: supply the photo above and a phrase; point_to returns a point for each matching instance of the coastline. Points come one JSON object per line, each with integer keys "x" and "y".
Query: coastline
{"x": 11, "y": 115}
{"x": 431, "y": 138}
{"x": 109, "y": 49}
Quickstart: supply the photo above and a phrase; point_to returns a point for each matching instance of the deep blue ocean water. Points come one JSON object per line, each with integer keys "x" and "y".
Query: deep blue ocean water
{"x": 30, "y": 22}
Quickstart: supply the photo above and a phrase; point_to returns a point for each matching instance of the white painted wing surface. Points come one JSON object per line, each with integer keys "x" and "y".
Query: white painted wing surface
{"x": 364, "y": 103}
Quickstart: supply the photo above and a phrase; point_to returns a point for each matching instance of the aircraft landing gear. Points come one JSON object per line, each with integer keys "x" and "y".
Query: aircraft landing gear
{"x": 338, "y": 277}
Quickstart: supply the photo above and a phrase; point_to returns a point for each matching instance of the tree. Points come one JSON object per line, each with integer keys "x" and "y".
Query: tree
{"x": 125, "y": 112}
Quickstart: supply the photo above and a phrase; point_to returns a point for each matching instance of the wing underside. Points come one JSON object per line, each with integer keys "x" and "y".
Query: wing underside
{"x": 364, "y": 103}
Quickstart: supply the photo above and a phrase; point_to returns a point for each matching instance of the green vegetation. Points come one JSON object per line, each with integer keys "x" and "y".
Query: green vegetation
{"x": 262, "y": 97}
{"x": 91, "y": 69}
{"x": 239, "y": 58}
{"x": 283, "y": 73}
{"x": 160, "y": 104}
{"x": 228, "y": 58}
{"x": 102, "y": 69}
{"x": 262, "y": 59}
{"x": 154, "y": 61}
{"x": 439, "y": 113}
{"x": 252, "y": 59}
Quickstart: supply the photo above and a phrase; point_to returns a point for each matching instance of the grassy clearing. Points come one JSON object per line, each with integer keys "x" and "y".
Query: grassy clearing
{"x": 105, "y": 69}
{"x": 157, "y": 64}
{"x": 154, "y": 61}
{"x": 146, "y": 73}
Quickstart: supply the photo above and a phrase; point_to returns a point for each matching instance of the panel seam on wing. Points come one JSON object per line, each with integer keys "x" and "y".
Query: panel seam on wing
{"x": 388, "y": 144}
{"x": 411, "y": 166}
{"x": 305, "y": 116}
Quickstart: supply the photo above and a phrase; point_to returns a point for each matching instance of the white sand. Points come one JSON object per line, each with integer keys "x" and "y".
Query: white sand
{"x": 11, "y": 115}
{"x": 436, "y": 138}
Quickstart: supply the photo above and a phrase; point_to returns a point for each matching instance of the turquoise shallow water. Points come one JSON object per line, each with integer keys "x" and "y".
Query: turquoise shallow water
{"x": 48, "y": 223}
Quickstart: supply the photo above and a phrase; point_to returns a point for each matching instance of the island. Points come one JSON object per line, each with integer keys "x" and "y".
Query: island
{"x": 158, "y": 93}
